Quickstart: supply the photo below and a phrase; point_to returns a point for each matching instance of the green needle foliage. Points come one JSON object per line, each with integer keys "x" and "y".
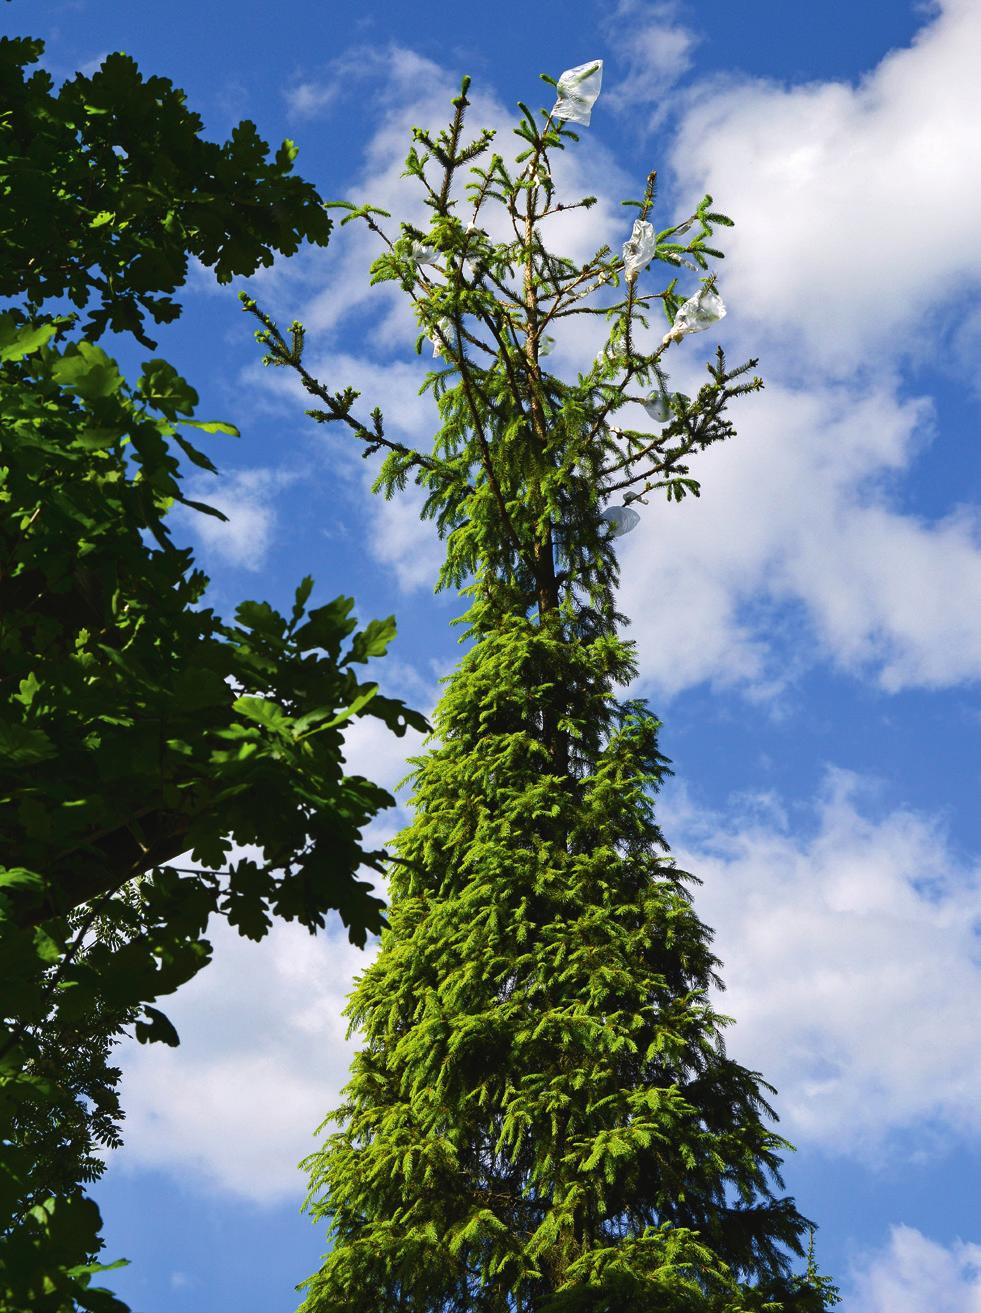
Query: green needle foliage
{"x": 542, "y": 1115}
{"x": 135, "y": 724}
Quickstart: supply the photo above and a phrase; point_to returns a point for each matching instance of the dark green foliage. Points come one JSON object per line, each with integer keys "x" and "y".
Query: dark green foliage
{"x": 542, "y": 1110}
{"x": 135, "y": 724}
{"x": 107, "y": 189}
{"x": 542, "y": 1117}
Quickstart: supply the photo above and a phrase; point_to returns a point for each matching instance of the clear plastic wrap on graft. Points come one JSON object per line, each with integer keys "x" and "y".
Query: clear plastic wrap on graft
{"x": 639, "y": 248}
{"x": 657, "y": 405}
{"x": 621, "y": 520}
{"x": 700, "y": 311}
{"x": 577, "y": 91}
{"x": 441, "y": 337}
{"x": 422, "y": 254}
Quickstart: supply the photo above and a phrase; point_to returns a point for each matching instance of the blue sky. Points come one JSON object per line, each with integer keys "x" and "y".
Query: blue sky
{"x": 808, "y": 631}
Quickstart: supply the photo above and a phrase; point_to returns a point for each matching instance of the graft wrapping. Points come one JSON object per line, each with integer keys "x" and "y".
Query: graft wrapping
{"x": 577, "y": 91}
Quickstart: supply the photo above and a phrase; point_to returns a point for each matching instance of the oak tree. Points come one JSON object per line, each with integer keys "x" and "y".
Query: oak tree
{"x": 159, "y": 765}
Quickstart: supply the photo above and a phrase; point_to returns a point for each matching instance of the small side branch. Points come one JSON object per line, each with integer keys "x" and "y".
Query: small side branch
{"x": 339, "y": 404}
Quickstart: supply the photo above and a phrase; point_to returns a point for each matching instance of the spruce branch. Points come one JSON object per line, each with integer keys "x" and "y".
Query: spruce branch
{"x": 339, "y": 403}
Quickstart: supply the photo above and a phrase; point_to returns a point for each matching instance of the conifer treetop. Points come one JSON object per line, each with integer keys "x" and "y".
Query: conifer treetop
{"x": 542, "y": 1116}
{"x": 522, "y": 457}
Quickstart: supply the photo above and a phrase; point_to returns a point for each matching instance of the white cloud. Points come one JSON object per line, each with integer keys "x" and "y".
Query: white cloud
{"x": 798, "y": 509}
{"x": 406, "y": 544}
{"x": 245, "y": 497}
{"x": 346, "y": 74}
{"x": 965, "y": 350}
{"x": 846, "y": 264}
{"x": 851, "y": 960}
{"x": 262, "y": 1059}
{"x": 264, "y": 1051}
{"x": 655, "y": 50}
{"x": 391, "y": 532}
{"x": 308, "y": 99}
{"x": 854, "y": 204}
{"x": 93, "y": 65}
{"x": 371, "y": 749}
{"x": 914, "y": 1274}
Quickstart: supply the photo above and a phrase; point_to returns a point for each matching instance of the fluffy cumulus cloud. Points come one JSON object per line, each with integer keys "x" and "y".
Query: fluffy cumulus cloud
{"x": 844, "y": 268}
{"x": 264, "y": 1050}
{"x": 851, "y": 958}
{"x": 370, "y": 748}
{"x": 654, "y": 49}
{"x": 247, "y": 500}
{"x": 262, "y": 1059}
{"x": 392, "y": 533}
{"x": 797, "y": 523}
{"x": 914, "y": 1274}
{"x": 853, "y": 201}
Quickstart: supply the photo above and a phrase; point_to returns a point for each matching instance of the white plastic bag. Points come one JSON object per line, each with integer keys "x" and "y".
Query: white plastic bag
{"x": 422, "y": 254}
{"x": 621, "y": 519}
{"x": 658, "y": 407}
{"x": 441, "y": 336}
{"x": 577, "y": 91}
{"x": 639, "y": 248}
{"x": 699, "y": 312}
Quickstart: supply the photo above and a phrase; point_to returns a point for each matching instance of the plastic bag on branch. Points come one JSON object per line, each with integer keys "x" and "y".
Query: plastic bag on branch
{"x": 639, "y": 248}
{"x": 621, "y": 519}
{"x": 577, "y": 91}
{"x": 699, "y": 312}
{"x": 441, "y": 336}
{"x": 658, "y": 405}
{"x": 422, "y": 254}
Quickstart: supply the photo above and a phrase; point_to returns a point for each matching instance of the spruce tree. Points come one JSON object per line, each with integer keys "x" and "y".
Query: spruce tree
{"x": 542, "y": 1116}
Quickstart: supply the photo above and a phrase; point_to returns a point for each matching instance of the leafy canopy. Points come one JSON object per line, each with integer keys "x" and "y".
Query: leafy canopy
{"x": 108, "y": 190}
{"x": 136, "y": 725}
